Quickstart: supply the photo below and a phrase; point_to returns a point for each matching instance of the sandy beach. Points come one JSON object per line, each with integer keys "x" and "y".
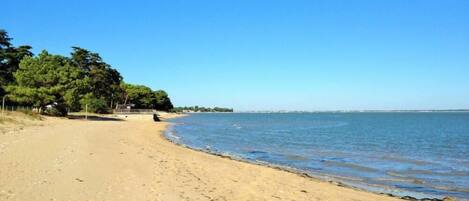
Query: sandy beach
{"x": 63, "y": 159}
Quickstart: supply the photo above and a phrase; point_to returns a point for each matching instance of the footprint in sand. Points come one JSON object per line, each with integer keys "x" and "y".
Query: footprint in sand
{"x": 6, "y": 194}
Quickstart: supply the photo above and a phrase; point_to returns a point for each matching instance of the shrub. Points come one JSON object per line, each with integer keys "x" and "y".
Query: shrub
{"x": 95, "y": 105}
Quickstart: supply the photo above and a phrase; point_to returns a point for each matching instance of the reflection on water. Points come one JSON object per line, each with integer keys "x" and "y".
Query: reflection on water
{"x": 423, "y": 153}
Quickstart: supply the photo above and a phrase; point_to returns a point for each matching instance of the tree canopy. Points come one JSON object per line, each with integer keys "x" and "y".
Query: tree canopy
{"x": 44, "y": 80}
{"x": 104, "y": 81}
{"x": 69, "y": 83}
{"x": 10, "y": 58}
{"x": 143, "y": 97}
{"x": 162, "y": 101}
{"x": 139, "y": 95}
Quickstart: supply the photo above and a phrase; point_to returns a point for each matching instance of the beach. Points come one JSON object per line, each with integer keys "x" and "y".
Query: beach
{"x": 129, "y": 159}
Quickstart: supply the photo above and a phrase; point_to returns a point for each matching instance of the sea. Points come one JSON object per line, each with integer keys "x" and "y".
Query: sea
{"x": 418, "y": 154}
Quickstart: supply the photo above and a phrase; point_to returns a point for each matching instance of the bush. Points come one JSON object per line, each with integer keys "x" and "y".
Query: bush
{"x": 95, "y": 105}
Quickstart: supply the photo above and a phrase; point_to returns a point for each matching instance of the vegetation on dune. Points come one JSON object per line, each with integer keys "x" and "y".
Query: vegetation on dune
{"x": 30, "y": 114}
{"x": 18, "y": 116}
{"x": 57, "y": 84}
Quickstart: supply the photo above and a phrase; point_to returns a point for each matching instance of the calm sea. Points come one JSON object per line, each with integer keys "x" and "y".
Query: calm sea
{"x": 415, "y": 153}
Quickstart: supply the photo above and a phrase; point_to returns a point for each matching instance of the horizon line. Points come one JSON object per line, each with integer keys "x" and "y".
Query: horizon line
{"x": 317, "y": 111}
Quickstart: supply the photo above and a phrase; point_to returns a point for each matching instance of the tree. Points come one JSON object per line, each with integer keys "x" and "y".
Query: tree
{"x": 4, "y": 39}
{"x": 10, "y": 58}
{"x": 82, "y": 58}
{"x": 68, "y": 84}
{"x": 144, "y": 98}
{"x": 16, "y": 55}
{"x": 162, "y": 101}
{"x": 45, "y": 80}
{"x": 140, "y": 95}
{"x": 95, "y": 105}
{"x": 4, "y": 45}
{"x": 104, "y": 81}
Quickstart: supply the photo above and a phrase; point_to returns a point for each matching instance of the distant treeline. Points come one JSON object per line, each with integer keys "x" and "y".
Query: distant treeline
{"x": 56, "y": 84}
{"x": 201, "y": 109}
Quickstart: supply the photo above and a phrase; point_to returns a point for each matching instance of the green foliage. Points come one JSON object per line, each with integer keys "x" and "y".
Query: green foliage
{"x": 57, "y": 84}
{"x": 10, "y": 58}
{"x": 104, "y": 81}
{"x": 82, "y": 58}
{"x": 140, "y": 95}
{"x": 144, "y": 98}
{"x": 95, "y": 105}
{"x": 4, "y": 39}
{"x": 201, "y": 109}
{"x": 44, "y": 80}
{"x": 72, "y": 99}
{"x": 162, "y": 101}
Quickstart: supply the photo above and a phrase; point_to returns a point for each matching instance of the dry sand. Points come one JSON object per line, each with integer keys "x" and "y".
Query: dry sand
{"x": 65, "y": 159}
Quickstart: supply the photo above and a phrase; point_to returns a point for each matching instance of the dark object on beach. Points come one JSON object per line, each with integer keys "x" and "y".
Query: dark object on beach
{"x": 155, "y": 117}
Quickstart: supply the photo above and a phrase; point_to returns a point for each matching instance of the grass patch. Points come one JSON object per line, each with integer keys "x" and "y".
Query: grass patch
{"x": 31, "y": 114}
{"x": 5, "y": 119}
{"x": 19, "y": 116}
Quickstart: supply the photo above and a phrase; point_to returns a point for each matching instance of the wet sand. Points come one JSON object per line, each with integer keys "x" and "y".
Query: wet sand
{"x": 62, "y": 159}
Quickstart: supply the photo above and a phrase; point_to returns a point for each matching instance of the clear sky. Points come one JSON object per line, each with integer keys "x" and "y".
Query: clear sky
{"x": 267, "y": 54}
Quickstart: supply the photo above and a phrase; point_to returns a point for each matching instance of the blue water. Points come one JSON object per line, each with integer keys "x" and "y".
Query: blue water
{"x": 417, "y": 153}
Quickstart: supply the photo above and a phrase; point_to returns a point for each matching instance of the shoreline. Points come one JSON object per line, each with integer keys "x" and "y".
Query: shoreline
{"x": 107, "y": 159}
{"x": 406, "y": 195}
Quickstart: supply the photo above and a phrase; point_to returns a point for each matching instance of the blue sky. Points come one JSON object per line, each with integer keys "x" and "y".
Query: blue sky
{"x": 267, "y": 54}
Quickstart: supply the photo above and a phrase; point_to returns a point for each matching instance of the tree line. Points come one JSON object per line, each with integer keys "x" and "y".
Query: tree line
{"x": 57, "y": 84}
{"x": 201, "y": 109}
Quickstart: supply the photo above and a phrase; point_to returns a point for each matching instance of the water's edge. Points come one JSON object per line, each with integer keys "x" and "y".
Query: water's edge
{"x": 302, "y": 173}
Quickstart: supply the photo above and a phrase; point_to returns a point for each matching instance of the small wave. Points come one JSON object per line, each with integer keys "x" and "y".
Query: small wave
{"x": 402, "y": 179}
{"x": 451, "y": 188}
{"x": 340, "y": 177}
{"x": 296, "y": 157}
{"x": 396, "y": 174}
{"x": 351, "y": 166}
{"x": 324, "y": 124}
{"x": 256, "y": 152}
{"x": 429, "y": 172}
{"x": 172, "y": 134}
{"x": 406, "y": 160}
{"x": 237, "y": 126}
